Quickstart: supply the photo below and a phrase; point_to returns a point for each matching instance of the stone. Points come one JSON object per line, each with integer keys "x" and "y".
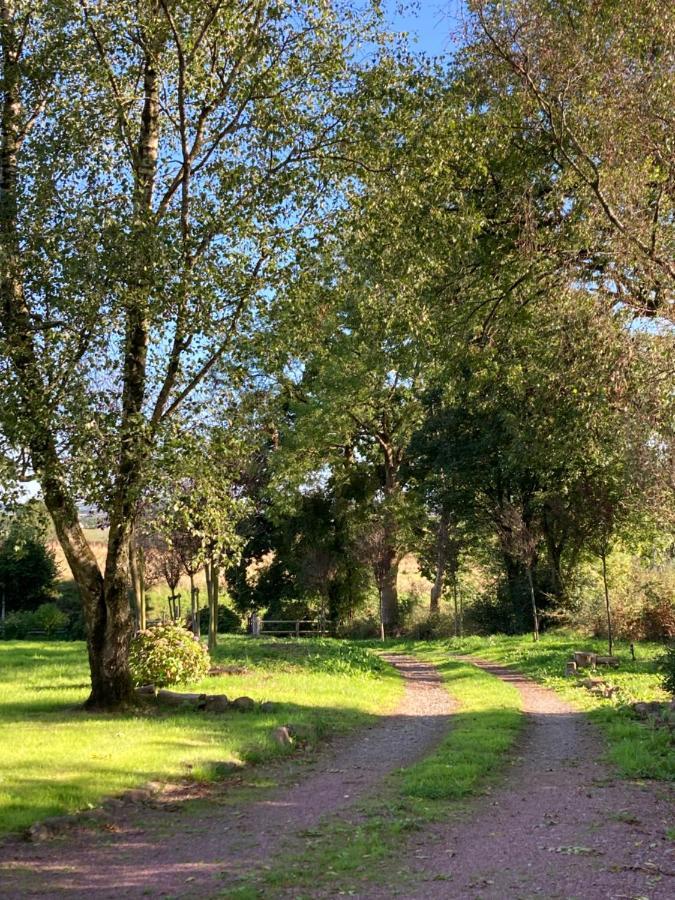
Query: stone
{"x": 301, "y": 732}
{"x": 37, "y": 833}
{"x": 243, "y": 704}
{"x": 281, "y": 736}
{"x": 217, "y": 703}
{"x": 570, "y": 668}
{"x": 584, "y": 659}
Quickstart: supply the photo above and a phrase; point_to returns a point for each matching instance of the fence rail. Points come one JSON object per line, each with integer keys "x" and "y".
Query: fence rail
{"x": 297, "y": 627}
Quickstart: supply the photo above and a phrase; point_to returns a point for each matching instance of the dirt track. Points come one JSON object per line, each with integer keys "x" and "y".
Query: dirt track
{"x": 560, "y": 826}
{"x": 173, "y": 852}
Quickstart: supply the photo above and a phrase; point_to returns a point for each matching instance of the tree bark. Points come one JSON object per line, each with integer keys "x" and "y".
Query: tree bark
{"x": 193, "y": 606}
{"x": 212, "y": 578}
{"x": 442, "y": 545}
{"x": 608, "y": 609}
{"x": 533, "y": 599}
{"x": 390, "y": 558}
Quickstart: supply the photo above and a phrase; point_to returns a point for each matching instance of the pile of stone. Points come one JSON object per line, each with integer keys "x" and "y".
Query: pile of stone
{"x": 583, "y": 659}
{"x": 214, "y": 703}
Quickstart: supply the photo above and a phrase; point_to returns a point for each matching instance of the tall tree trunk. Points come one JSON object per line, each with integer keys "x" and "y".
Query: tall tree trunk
{"x": 457, "y": 628}
{"x": 608, "y": 609}
{"x": 212, "y": 588}
{"x": 533, "y": 599}
{"x": 142, "y": 601}
{"x": 136, "y": 582}
{"x": 110, "y": 684}
{"x": 442, "y": 546}
{"x": 389, "y": 591}
{"x": 193, "y": 606}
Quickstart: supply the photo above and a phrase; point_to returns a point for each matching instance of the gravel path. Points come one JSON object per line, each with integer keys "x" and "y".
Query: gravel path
{"x": 561, "y": 826}
{"x": 173, "y": 851}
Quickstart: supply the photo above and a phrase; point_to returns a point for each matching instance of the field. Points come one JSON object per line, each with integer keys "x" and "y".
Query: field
{"x": 57, "y": 759}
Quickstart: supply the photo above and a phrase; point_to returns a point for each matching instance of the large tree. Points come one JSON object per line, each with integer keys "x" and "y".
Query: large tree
{"x": 156, "y": 160}
{"x": 592, "y": 86}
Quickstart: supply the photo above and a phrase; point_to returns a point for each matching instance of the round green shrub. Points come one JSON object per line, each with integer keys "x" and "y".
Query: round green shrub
{"x": 228, "y": 621}
{"x": 167, "y": 654}
{"x": 49, "y": 618}
{"x": 667, "y": 666}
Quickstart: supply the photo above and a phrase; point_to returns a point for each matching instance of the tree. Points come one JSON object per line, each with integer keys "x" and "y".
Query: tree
{"x": 593, "y": 85}
{"x": 519, "y": 539}
{"x": 118, "y": 305}
{"x": 28, "y": 570}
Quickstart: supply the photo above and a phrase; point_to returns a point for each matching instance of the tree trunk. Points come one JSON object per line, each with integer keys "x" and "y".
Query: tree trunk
{"x": 442, "y": 546}
{"x": 457, "y": 628}
{"x": 141, "y": 574}
{"x": 136, "y": 583}
{"x": 212, "y": 578}
{"x": 608, "y": 609}
{"x": 389, "y": 591}
{"x": 535, "y": 615}
{"x": 193, "y": 606}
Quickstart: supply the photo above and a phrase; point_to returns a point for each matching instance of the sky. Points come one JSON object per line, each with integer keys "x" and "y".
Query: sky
{"x": 430, "y": 23}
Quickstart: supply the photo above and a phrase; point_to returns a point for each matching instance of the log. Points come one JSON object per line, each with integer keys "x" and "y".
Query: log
{"x": 570, "y": 668}
{"x": 611, "y": 662}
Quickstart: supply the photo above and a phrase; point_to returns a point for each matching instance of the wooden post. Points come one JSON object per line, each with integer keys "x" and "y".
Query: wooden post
{"x": 297, "y": 628}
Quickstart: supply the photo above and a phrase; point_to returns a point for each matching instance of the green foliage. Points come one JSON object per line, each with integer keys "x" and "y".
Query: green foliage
{"x": 667, "y": 668}
{"x": 167, "y": 654}
{"x": 28, "y": 570}
{"x": 47, "y": 618}
{"x": 344, "y": 658}
{"x": 50, "y": 618}
{"x": 228, "y": 620}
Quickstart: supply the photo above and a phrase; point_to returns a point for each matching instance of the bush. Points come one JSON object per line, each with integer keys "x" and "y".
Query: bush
{"x": 167, "y": 654}
{"x": 28, "y": 570}
{"x": 17, "y": 625}
{"x": 228, "y": 621}
{"x": 667, "y": 666}
{"x": 49, "y": 618}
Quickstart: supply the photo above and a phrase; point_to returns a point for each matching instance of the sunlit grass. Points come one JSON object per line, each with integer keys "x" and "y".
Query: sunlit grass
{"x": 639, "y": 750}
{"x": 57, "y": 758}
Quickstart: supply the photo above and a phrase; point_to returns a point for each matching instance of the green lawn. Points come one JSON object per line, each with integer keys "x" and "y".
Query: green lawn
{"x": 57, "y": 758}
{"x": 639, "y": 750}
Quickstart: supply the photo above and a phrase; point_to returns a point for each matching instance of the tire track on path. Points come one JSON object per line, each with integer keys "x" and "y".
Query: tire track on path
{"x": 561, "y": 826}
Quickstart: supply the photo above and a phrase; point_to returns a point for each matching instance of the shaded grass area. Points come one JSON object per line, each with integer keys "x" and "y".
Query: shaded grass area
{"x": 344, "y": 853}
{"x": 638, "y": 749}
{"x": 58, "y": 759}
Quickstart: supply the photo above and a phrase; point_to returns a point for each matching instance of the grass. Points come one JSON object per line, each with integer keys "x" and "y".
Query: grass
{"x": 343, "y": 853}
{"x": 639, "y": 750}
{"x": 58, "y": 759}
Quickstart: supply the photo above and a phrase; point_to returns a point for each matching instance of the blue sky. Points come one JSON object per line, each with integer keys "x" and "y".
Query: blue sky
{"x": 430, "y": 23}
